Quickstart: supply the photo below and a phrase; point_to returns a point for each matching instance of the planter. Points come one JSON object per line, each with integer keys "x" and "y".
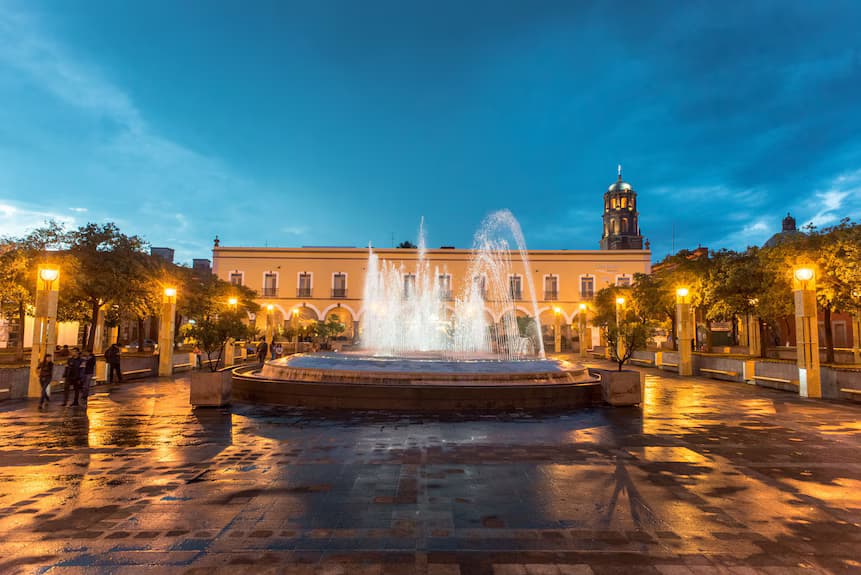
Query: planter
{"x": 210, "y": 388}
{"x": 620, "y": 387}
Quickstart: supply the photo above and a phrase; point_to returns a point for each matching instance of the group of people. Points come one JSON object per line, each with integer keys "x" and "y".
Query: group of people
{"x": 276, "y": 350}
{"x": 78, "y": 375}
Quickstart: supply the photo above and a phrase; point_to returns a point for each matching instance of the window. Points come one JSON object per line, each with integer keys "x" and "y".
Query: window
{"x": 624, "y": 225}
{"x": 624, "y": 202}
{"x": 304, "y": 288}
{"x": 409, "y": 285}
{"x": 616, "y": 227}
{"x": 339, "y": 285}
{"x": 480, "y": 283}
{"x": 551, "y": 288}
{"x": 623, "y": 281}
{"x": 514, "y": 287}
{"x": 444, "y": 281}
{"x": 236, "y": 278}
{"x": 587, "y": 287}
{"x": 270, "y": 284}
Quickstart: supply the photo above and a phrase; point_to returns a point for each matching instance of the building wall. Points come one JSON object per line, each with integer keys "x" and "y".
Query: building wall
{"x": 569, "y": 265}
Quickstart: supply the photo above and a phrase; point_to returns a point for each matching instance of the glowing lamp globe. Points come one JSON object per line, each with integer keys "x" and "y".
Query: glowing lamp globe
{"x": 682, "y": 292}
{"x": 170, "y": 292}
{"x": 49, "y": 274}
{"x": 804, "y": 274}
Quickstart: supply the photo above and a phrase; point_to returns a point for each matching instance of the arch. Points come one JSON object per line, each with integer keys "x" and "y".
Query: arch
{"x": 615, "y": 226}
{"x": 307, "y": 307}
{"x": 566, "y": 318}
{"x": 326, "y": 310}
{"x": 624, "y": 225}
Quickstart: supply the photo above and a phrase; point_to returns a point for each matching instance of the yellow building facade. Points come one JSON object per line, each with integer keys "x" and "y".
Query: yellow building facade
{"x": 315, "y": 283}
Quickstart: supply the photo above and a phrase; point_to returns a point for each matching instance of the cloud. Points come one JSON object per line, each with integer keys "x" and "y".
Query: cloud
{"x": 79, "y": 210}
{"x": 18, "y": 219}
{"x": 840, "y": 199}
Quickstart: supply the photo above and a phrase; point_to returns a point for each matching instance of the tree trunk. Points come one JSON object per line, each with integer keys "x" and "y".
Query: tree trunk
{"x": 734, "y": 335}
{"x": 140, "y": 334}
{"x": 94, "y": 320}
{"x": 19, "y": 345}
{"x": 829, "y": 336}
{"x": 673, "y": 332}
{"x": 763, "y": 338}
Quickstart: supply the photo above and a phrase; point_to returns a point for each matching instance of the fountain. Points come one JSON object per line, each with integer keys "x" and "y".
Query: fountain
{"x": 417, "y": 352}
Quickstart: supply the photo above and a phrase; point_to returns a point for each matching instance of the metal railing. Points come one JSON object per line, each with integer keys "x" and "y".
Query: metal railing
{"x": 551, "y": 295}
{"x": 270, "y": 292}
{"x": 303, "y": 292}
{"x": 339, "y": 293}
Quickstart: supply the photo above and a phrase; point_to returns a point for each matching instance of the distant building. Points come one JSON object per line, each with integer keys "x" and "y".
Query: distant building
{"x": 621, "y": 219}
{"x": 201, "y": 266}
{"x": 164, "y": 253}
{"x": 789, "y": 232}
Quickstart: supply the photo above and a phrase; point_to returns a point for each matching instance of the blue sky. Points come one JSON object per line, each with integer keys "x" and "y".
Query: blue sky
{"x": 342, "y": 123}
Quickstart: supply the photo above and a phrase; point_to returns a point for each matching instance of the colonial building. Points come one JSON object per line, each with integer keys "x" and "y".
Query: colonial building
{"x": 314, "y": 283}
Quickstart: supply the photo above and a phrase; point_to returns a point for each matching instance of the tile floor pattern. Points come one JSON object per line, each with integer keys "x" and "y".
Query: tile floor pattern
{"x": 709, "y": 477}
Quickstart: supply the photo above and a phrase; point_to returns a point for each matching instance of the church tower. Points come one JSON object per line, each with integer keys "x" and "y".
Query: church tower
{"x": 621, "y": 222}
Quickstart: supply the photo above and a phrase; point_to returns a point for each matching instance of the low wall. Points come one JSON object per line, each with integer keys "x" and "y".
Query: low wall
{"x": 841, "y": 354}
{"x": 719, "y": 367}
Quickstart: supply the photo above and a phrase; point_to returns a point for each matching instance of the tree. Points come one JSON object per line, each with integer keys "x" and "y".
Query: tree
{"x": 406, "y": 244}
{"x": 213, "y": 333}
{"x": 623, "y": 326}
{"x": 19, "y": 262}
{"x": 110, "y": 267}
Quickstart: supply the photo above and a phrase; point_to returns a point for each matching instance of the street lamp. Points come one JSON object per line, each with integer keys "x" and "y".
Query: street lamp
{"x": 295, "y": 330}
{"x": 166, "y": 332}
{"x": 232, "y": 302}
{"x": 557, "y": 332}
{"x": 807, "y": 332}
{"x": 684, "y": 333}
{"x": 170, "y": 292}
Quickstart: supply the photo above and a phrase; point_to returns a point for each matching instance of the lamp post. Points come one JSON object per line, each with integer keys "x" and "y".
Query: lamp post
{"x": 166, "y": 329}
{"x": 684, "y": 337}
{"x": 45, "y": 324}
{"x": 267, "y": 333}
{"x": 807, "y": 332}
{"x": 582, "y": 321}
{"x": 754, "y": 333}
{"x": 230, "y": 344}
{"x": 295, "y": 330}
{"x": 856, "y": 327}
{"x": 620, "y": 345}
{"x": 557, "y": 330}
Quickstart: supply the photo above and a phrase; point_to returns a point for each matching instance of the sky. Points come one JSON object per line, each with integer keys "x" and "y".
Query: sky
{"x": 343, "y": 123}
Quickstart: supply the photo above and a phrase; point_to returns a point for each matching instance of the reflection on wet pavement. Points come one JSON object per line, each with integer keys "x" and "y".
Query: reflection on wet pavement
{"x": 709, "y": 477}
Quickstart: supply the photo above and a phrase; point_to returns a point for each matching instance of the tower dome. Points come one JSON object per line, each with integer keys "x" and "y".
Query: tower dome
{"x": 621, "y": 219}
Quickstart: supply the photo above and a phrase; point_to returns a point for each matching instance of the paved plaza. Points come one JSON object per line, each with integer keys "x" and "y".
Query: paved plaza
{"x": 709, "y": 477}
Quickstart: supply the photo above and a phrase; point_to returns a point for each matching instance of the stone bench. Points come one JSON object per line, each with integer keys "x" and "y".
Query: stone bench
{"x": 776, "y": 380}
{"x": 136, "y": 371}
{"x": 641, "y": 361}
{"x": 855, "y": 394}
{"x": 719, "y": 372}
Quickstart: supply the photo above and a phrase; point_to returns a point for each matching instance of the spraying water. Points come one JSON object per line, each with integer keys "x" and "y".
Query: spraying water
{"x": 406, "y": 312}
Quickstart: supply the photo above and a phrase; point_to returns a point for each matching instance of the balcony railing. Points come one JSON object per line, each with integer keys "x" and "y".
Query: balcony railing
{"x": 445, "y": 295}
{"x": 270, "y": 292}
{"x": 339, "y": 293}
{"x": 587, "y": 294}
{"x": 516, "y": 295}
{"x": 303, "y": 292}
{"x": 551, "y": 295}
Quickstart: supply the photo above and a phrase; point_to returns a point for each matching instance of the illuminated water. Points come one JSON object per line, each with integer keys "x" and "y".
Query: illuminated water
{"x": 403, "y": 316}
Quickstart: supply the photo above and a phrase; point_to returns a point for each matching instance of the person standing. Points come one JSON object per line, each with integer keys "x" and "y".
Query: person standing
{"x": 112, "y": 358}
{"x": 46, "y": 374}
{"x": 198, "y": 357}
{"x": 72, "y": 377}
{"x": 261, "y": 351}
{"x": 89, "y": 370}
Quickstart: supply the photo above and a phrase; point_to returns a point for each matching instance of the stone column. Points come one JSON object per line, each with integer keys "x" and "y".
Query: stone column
{"x": 742, "y": 330}
{"x": 557, "y": 330}
{"x": 685, "y": 335}
{"x": 807, "y": 332}
{"x": 269, "y": 329}
{"x": 856, "y": 337}
{"x": 44, "y": 324}
{"x": 754, "y": 336}
{"x": 581, "y": 316}
{"x": 166, "y": 326}
{"x": 229, "y": 352}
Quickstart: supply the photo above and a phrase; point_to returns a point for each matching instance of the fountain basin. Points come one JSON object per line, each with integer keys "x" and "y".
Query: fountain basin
{"x": 418, "y": 382}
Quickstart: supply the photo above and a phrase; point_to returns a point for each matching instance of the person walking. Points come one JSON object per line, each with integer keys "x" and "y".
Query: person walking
{"x": 46, "y": 374}
{"x": 72, "y": 377}
{"x": 89, "y": 370}
{"x": 198, "y": 357}
{"x": 112, "y": 358}
{"x": 261, "y": 351}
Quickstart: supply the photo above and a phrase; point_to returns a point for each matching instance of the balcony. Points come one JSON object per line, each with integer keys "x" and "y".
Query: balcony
{"x": 303, "y": 292}
{"x": 445, "y": 295}
{"x": 587, "y": 294}
{"x": 551, "y": 295}
{"x": 339, "y": 293}
{"x": 270, "y": 292}
{"x": 516, "y": 295}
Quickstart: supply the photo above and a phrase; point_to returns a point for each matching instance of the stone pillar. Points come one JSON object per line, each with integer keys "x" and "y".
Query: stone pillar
{"x": 268, "y": 330}
{"x": 754, "y": 336}
{"x": 807, "y": 332}
{"x": 166, "y": 326}
{"x": 742, "y": 330}
{"x": 583, "y": 330}
{"x": 229, "y": 352}
{"x": 557, "y": 331}
{"x": 856, "y": 337}
{"x": 685, "y": 335}
{"x": 44, "y": 324}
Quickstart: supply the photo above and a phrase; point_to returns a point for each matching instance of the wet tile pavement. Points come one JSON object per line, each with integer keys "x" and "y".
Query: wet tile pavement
{"x": 709, "y": 477}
